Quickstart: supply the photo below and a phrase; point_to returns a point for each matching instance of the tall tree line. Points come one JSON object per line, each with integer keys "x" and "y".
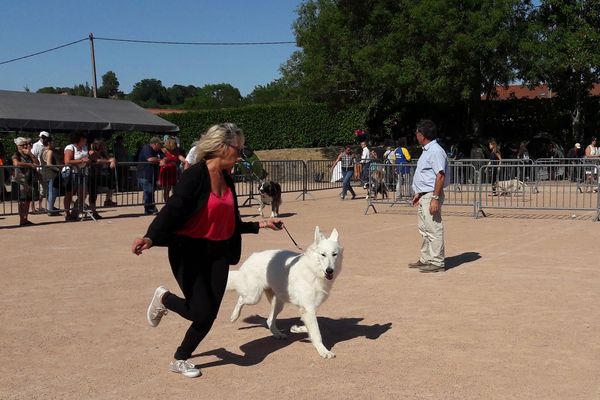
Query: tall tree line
{"x": 381, "y": 53}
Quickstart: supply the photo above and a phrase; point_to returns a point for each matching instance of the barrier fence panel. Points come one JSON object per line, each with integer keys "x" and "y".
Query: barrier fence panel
{"x": 320, "y": 175}
{"x": 291, "y": 175}
{"x": 543, "y": 195}
{"x": 463, "y": 183}
{"x": 389, "y": 184}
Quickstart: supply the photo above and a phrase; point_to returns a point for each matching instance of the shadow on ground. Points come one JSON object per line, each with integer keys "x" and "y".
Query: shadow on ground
{"x": 457, "y": 260}
{"x": 334, "y": 331}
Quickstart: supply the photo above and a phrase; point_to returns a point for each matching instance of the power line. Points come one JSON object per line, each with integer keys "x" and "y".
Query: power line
{"x": 194, "y": 43}
{"x": 42, "y": 52}
{"x": 151, "y": 42}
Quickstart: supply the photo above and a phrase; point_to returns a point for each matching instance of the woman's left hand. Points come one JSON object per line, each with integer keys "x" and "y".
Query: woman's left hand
{"x": 273, "y": 223}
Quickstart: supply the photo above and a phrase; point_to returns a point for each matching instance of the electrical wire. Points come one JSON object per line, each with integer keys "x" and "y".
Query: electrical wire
{"x": 194, "y": 43}
{"x": 150, "y": 42}
{"x": 44, "y": 51}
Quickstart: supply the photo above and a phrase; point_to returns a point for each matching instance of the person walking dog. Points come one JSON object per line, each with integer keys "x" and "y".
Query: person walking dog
{"x": 428, "y": 185}
{"x": 201, "y": 226}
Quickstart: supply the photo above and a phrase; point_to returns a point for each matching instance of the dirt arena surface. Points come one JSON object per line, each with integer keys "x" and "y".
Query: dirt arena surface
{"x": 516, "y": 316}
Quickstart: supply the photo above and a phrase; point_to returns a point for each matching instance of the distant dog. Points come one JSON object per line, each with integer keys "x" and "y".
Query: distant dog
{"x": 378, "y": 185}
{"x": 303, "y": 279}
{"x": 511, "y": 186}
{"x": 270, "y": 193}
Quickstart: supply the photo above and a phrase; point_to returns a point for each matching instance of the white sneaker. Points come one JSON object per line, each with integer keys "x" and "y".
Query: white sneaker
{"x": 185, "y": 368}
{"x": 156, "y": 309}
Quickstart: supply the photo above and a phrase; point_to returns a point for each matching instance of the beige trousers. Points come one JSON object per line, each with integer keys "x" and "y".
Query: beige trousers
{"x": 432, "y": 230}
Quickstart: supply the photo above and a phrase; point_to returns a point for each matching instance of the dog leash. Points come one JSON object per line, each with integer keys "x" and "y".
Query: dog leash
{"x": 296, "y": 244}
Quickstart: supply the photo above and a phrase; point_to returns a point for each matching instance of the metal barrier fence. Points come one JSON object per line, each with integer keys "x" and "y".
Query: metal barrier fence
{"x": 502, "y": 185}
{"x": 547, "y": 184}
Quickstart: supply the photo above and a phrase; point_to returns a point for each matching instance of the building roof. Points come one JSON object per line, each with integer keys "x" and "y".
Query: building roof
{"x": 523, "y": 92}
{"x": 23, "y": 111}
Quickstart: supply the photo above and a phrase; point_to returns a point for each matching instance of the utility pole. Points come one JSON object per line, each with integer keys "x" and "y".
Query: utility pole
{"x": 94, "y": 81}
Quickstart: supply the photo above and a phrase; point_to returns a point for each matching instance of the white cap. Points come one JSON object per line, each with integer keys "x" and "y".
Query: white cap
{"x": 44, "y": 134}
{"x": 577, "y": 146}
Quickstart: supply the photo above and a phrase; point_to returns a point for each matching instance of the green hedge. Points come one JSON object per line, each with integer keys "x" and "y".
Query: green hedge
{"x": 275, "y": 126}
{"x": 265, "y": 127}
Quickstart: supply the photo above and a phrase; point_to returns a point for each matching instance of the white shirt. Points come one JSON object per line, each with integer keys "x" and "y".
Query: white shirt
{"x": 77, "y": 154}
{"x": 433, "y": 160}
{"x": 365, "y": 156}
{"x": 36, "y": 150}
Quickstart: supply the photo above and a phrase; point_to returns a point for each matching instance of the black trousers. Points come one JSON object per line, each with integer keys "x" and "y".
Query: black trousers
{"x": 201, "y": 269}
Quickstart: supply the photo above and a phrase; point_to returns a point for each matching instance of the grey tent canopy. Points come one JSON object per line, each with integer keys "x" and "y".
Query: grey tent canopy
{"x": 22, "y": 111}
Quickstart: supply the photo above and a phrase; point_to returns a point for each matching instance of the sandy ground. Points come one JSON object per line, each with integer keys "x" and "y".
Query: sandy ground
{"x": 516, "y": 316}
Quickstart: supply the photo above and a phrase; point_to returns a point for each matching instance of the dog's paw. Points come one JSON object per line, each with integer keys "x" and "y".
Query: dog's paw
{"x": 279, "y": 336}
{"x": 298, "y": 329}
{"x": 327, "y": 354}
{"x": 274, "y": 214}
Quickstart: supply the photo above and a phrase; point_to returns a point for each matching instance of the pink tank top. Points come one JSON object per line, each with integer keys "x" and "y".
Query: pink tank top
{"x": 215, "y": 221}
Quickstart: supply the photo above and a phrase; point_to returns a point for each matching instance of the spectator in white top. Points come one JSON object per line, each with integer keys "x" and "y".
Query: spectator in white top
{"x": 365, "y": 161}
{"x": 36, "y": 151}
{"x": 38, "y": 146}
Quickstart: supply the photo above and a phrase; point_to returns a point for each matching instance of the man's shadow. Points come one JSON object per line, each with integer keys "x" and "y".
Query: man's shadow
{"x": 333, "y": 331}
{"x": 459, "y": 259}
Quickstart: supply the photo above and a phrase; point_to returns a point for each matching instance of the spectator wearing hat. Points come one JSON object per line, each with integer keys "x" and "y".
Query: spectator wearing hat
{"x": 24, "y": 182}
{"x": 147, "y": 172}
{"x": 38, "y": 146}
{"x": 36, "y": 151}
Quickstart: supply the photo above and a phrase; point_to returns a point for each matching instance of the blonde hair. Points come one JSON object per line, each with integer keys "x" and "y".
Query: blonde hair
{"x": 170, "y": 144}
{"x": 211, "y": 143}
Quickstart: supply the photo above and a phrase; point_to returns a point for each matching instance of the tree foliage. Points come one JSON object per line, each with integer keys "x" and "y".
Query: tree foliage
{"x": 215, "y": 96}
{"x": 110, "y": 86}
{"x": 561, "y": 49}
{"x": 149, "y": 93}
{"x": 384, "y": 52}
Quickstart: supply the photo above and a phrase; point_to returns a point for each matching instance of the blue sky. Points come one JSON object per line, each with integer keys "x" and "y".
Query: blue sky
{"x": 30, "y": 26}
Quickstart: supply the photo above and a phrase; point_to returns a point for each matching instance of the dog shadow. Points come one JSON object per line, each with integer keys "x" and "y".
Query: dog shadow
{"x": 334, "y": 331}
{"x": 459, "y": 259}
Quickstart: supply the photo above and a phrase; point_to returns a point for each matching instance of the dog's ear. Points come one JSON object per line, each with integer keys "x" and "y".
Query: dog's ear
{"x": 334, "y": 235}
{"x": 318, "y": 235}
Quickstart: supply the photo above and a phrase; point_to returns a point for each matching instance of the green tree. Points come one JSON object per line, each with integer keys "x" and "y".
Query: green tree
{"x": 110, "y": 86}
{"x": 562, "y": 50}
{"x": 386, "y": 52}
{"x": 273, "y": 92}
{"x": 179, "y": 93}
{"x": 149, "y": 93}
{"x": 215, "y": 96}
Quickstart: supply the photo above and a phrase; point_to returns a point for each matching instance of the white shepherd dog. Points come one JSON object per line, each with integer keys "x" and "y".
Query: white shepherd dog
{"x": 303, "y": 279}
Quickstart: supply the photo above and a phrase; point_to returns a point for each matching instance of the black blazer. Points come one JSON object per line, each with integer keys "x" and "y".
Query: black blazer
{"x": 189, "y": 196}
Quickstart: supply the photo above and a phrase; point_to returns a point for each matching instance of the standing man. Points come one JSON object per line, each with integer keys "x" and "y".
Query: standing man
{"x": 147, "y": 172}
{"x": 36, "y": 151}
{"x": 365, "y": 161}
{"x": 428, "y": 185}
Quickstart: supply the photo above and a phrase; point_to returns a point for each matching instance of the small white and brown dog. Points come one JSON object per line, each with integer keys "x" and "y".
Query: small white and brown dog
{"x": 270, "y": 193}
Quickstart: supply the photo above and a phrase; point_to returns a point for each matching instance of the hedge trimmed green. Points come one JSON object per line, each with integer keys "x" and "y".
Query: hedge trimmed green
{"x": 280, "y": 126}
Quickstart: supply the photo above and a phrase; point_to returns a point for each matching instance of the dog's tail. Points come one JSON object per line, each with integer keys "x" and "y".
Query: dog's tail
{"x": 232, "y": 280}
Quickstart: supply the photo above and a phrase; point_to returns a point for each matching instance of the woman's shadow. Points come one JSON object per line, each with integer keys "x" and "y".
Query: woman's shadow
{"x": 333, "y": 331}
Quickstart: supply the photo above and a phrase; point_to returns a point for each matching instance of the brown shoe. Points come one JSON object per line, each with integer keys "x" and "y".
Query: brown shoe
{"x": 432, "y": 268}
{"x": 417, "y": 264}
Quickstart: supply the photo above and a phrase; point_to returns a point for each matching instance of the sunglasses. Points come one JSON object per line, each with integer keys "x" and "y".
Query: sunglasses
{"x": 237, "y": 148}
{"x": 26, "y": 145}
